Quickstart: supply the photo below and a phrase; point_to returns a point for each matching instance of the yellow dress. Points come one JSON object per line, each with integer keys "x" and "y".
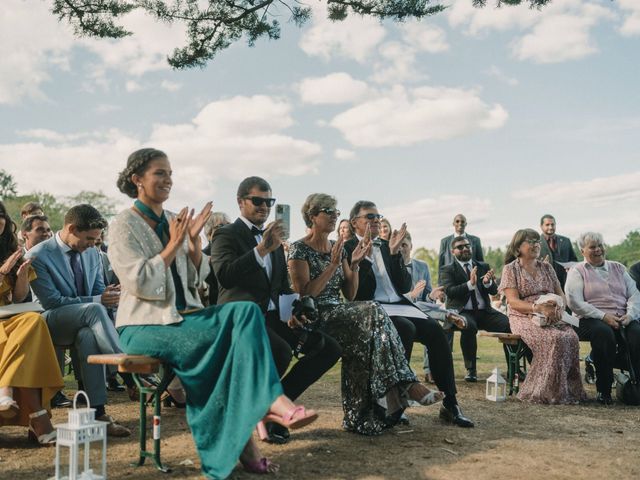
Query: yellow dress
{"x": 27, "y": 356}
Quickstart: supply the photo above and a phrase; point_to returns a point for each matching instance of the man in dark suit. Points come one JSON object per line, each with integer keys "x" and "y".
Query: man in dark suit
{"x": 468, "y": 284}
{"x": 445, "y": 256}
{"x": 384, "y": 277}
{"x": 555, "y": 247}
{"x": 249, "y": 264}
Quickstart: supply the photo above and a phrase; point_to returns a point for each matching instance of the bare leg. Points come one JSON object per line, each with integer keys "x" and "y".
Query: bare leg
{"x": 253, "y": 461}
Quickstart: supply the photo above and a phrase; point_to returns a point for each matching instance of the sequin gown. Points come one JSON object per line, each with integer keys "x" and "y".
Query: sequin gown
{"x": 554, "y": 376}
{"x": 373, "y": 359}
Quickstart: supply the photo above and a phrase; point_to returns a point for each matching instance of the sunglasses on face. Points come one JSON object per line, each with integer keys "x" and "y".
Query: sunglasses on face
{"x": 371, "y": 216}
{"x": 257, "y": 201}
{"x": 463, "y": 246}
{"x": 332, "y": 212}
{"x": 532, "y": 242}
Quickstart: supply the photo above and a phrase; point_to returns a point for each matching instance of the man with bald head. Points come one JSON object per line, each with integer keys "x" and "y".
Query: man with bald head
{"x": 459, "y": 230}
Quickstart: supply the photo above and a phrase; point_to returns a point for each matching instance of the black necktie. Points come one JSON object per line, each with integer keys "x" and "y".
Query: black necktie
{"x": 256, "y": 231}
{"x": 474, "y": 300}
{"x": 76, "y": 268}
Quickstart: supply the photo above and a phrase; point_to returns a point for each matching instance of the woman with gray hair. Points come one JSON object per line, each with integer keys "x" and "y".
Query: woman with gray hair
{"x": 373, "y": 358}
{"x": 605, "y": 298}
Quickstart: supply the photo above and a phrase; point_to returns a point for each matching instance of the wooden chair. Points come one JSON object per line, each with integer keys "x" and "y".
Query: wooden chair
{"x": 136, "y": 365}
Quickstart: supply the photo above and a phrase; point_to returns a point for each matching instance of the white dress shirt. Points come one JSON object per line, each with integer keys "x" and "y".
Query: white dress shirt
{"x": 264, "y": 262}
{"x": 385, "y": 291}
{"x": 476, "y": 292}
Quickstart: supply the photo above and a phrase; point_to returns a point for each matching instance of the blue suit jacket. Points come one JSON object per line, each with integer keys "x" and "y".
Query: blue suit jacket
{"x": 55, "y": 286}
{"x": 420, "y": 271}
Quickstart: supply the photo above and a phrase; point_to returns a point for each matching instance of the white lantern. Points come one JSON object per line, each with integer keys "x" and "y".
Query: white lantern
{"x": 496, "y": 387}
{"x": 82, "y": 430}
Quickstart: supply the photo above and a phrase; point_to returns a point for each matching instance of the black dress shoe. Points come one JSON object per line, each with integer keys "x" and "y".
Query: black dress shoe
{"x": 589, "y": 370}
{"x": 604, "y": 398}
{"x": 453, "y": 414}
{"x": 471, "y": 376}
{"x": 60, "y": 400}
{"x": 114, "y": 386}
{"x": 277, "y": 434}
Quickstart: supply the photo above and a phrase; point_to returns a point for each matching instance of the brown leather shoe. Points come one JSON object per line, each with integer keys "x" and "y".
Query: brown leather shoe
{"x": 114, "y": 429}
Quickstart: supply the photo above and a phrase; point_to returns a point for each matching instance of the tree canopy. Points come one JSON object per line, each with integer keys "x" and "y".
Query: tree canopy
{"x": 213, "y": 25}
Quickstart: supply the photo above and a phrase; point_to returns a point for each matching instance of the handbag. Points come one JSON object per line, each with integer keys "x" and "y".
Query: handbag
{"x": 627, "y": 386}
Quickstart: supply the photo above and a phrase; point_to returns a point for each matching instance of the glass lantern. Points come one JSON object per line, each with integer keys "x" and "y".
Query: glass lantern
{"x": 496, "y": 387}
{"x": 78, "y": 435}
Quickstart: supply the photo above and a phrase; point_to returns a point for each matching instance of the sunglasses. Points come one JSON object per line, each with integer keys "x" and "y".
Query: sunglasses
{"x": 371, "y": 216}
{"x": 332, "y": 212}
{"x": 463, "y": 246}
{"x": 532, "y": 242}
{"x": 257, "y": 201}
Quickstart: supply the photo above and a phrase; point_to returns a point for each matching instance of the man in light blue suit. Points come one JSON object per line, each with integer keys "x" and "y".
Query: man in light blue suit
{"x": 71, "y": 288}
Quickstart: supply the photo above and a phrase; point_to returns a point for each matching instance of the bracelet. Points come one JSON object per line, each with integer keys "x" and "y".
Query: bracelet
{"x": 355, "y": 268}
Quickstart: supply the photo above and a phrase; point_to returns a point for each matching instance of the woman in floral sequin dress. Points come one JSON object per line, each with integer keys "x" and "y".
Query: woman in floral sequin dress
{"x": 373, "y": 361}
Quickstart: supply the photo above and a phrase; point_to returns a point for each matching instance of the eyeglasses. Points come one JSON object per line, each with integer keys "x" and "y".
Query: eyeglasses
{"x": 532, "y": 242}
{"x": 257, "y": 201}
{"x": 463, "y": 246}
{"x": 371, "y": 216}
{"x": 332, "y": 212}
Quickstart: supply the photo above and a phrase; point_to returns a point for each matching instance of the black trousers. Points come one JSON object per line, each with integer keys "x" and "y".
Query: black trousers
{"x": 310, "y": 367}
{"x": 490, "y": 320}
{"x": 429, "y": 333}
{"x": 605, "y": 346}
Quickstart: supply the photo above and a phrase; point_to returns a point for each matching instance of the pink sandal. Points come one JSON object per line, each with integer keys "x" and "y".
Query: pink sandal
{"x": 295, "y": 418}
{"x": 262, "y": 466}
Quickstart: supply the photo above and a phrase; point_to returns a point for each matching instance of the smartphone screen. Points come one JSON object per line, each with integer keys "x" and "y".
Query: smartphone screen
{"x": 282, "y": 214}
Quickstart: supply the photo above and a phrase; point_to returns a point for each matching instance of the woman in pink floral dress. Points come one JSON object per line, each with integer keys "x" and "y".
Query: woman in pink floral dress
{"x": 554, "y": 376}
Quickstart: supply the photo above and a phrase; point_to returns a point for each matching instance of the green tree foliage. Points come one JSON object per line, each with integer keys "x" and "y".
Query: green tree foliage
{"x": 105, "y": 205}
{"x": 628, "y": 251}
{"x": 8, "y": 187}
{"x": 430, "y": 257}
{"x": 214, "y": 25}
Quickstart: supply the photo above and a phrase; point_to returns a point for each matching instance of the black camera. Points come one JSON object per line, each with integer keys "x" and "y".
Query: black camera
{"x": 306, "y": 306}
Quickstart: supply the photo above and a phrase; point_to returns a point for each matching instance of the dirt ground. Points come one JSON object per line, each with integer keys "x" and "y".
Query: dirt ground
{"x": 511, "y": 439}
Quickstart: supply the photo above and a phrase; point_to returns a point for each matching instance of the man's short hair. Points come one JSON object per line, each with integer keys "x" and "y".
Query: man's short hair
{"x": 459, "y": 238}
{"x": 85, "y": 217}
{"x": 547, "y": 215}
{"x": 360, "y": 204}
{"x": 30, "y": 207}
{"x": 249, "y": 183}
{"x": 27, "y": 223}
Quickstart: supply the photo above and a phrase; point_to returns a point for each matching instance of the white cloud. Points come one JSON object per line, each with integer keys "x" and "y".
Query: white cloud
{"x": 334, "y": 88}
{"x": 498, "y": 74}
{"x": 396, "y": 64}
{"x": 407, "y": 116}
{"x": 631, "y": 24}
{"x": 354, "y": 38}
{"x": 107, "y": 108}
{"x": 424, "y": 37}
{"x": 170, "y": 86}
{"x": 227, "y": 139}
{"x": 344, "y": 154}
{"x": 29, "y": 52}
{"x": 132, "y": 86}
{"x": 430, "y": 219}
{"x": 558, "y": 32}
{"x": 598, "y": 192}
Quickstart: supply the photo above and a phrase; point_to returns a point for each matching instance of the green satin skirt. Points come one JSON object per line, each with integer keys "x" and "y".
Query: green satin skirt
{"x": 223, "y": 359}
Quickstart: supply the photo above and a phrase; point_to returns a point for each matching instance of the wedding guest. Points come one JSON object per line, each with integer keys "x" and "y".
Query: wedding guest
{"x": 373, "y": 359}
{"x": 221, "y": 354}
{"x": 29, "y": 373}
{"x": 554, "y": 376}
{"x": 445, "y": 256}
{"x": 215, "y": 222}
{"x": 605, "y": 298}
{"x": 634, "y": 271}
{"x": 31, "y": 208}
{"x": 555, "y": 248}
{"x": 344, "y": 230}
{"x": 385, "y": 229}
{"x": 35, "y": 229}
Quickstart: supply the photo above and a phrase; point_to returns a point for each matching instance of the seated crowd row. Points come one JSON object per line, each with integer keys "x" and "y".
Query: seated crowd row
{"x": 372, "y": 302}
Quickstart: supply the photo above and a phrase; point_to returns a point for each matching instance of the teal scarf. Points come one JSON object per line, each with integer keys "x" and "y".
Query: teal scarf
{"x": 162, "y": 231}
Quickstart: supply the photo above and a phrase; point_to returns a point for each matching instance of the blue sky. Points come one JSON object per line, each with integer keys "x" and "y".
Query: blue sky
{"x": 502, "y": 115}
